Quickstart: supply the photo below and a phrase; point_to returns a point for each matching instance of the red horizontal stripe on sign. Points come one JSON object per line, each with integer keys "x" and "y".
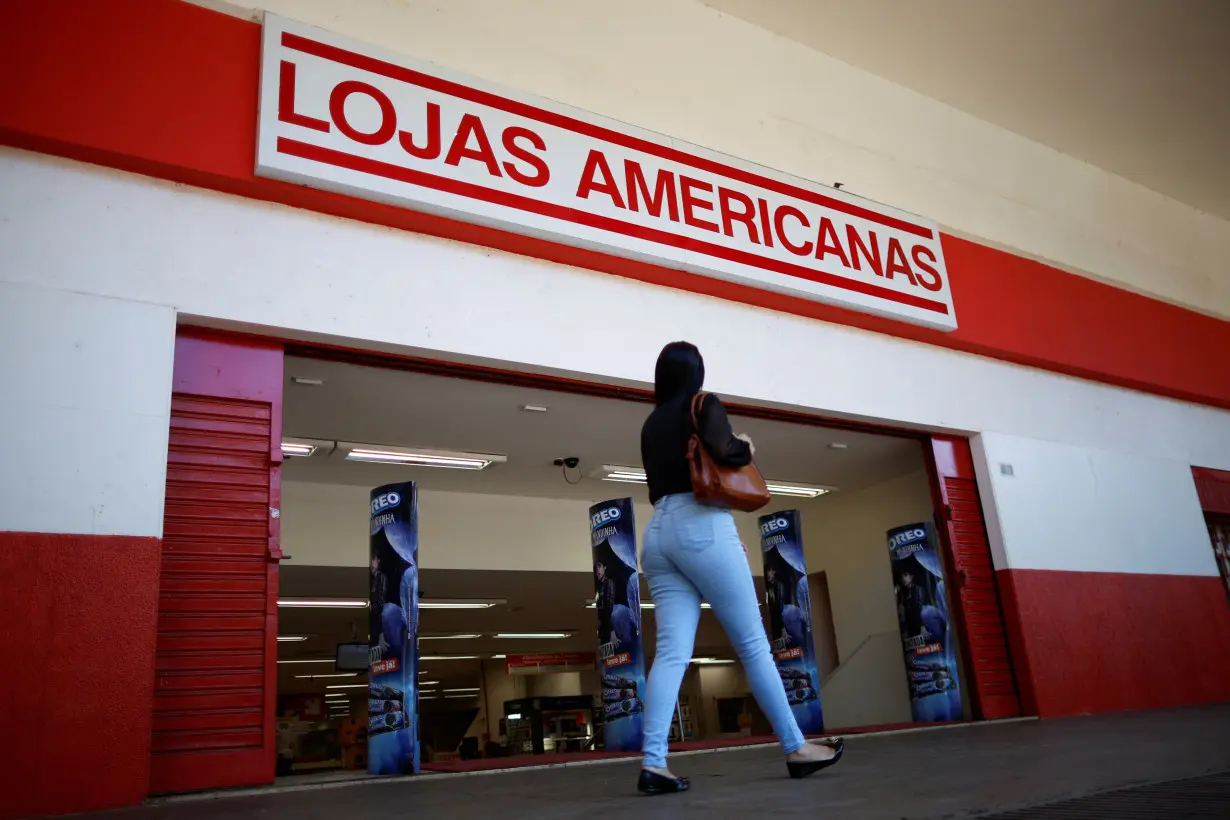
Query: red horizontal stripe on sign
{"x": 340, "y": 159}
{"x": 588, "y": 129}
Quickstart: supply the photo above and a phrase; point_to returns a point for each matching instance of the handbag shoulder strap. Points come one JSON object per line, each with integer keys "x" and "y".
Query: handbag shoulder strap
{"x": 698, "y": 401}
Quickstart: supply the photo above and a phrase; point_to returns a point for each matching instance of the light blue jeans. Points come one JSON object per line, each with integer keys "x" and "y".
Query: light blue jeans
{"x": 693, "y": 552}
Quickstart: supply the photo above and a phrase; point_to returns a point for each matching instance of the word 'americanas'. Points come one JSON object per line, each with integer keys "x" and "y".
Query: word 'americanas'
{"x": 522, "y": 157}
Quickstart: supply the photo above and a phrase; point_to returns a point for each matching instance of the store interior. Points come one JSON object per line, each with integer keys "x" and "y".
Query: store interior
{"x": 506, "y": 574}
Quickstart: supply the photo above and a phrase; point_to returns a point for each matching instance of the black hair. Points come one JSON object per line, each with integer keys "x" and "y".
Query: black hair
{"x": 680, "y": 372}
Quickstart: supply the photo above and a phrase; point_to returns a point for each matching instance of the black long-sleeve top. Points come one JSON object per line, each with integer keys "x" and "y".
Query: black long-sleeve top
{"x": 664, "y": 443}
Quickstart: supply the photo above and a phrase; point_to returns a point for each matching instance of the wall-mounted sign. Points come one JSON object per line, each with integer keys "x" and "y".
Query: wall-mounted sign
{"x": 347, "y": 117}
{"x": 548, "y": 664}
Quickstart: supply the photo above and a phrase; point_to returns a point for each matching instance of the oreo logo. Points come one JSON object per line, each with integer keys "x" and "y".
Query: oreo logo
{"x": 385, "y": 501}
{"x": 774, "y": 525}
{"x": 903, "y": 538}
{"x": 607, "y": 516}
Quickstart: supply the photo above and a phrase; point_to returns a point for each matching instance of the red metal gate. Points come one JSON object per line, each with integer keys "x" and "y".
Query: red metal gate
{"x": 216, "y": 664}
{"x": 1213, "y": 488}
{"x": 984, "y": 639}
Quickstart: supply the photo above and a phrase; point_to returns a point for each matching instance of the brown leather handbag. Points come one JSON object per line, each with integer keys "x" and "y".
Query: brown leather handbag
{"x": 740, "y": 488}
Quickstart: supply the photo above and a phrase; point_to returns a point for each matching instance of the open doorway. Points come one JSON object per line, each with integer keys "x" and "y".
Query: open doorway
{"x": 505, "y": 562}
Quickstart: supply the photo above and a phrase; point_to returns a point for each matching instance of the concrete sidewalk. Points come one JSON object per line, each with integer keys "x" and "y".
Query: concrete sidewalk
{"x": 920, "y": 776}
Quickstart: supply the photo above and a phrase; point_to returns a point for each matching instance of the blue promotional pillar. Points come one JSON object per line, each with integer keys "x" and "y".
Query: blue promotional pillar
{"x": 926, "y": 635}
{"x": 617, "y": 593}
{"x": 789, "y": 603}
{"x": 392, "y": 731}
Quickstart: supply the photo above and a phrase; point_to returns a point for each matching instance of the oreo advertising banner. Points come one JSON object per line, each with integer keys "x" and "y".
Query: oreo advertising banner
{"x": 926, "y": 632}
{"x": 392, "y": 730}
{"x": 617, "y": 593}
{"x": 789, "y": 603}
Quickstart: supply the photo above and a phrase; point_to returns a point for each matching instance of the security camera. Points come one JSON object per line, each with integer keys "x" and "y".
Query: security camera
{"x": 571, "y": 462}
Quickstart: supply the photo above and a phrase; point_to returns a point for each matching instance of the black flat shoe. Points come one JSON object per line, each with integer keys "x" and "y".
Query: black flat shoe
{"x": 654, "y": 784}
{"x": 801, "y": 770}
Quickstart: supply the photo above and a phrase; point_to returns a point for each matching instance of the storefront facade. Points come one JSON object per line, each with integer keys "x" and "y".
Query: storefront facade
{"x": 131, "y": 214}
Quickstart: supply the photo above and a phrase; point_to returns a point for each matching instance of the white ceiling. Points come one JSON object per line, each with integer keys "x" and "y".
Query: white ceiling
{"x": 1140, "y": 88}
{"x": 377, "y": 406}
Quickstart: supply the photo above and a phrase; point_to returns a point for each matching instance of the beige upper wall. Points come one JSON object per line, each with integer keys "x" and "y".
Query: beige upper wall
{"x": 686, "y": 70}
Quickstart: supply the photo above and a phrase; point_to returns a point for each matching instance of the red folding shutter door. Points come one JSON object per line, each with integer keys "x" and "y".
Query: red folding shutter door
{"x": 1213, "y": 487}
{"x": 216, "y": 663}
{"x": 975, "y": 596}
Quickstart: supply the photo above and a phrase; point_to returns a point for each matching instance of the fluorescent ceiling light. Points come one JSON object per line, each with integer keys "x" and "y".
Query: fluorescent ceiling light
{"x": 360, "y": 603}
{"x": 464, "y": 689}
{"x": 459, "y": 636}
{"x": 310, "y": 660}
{"x": 346, "y": 686}
{"x": 499, "y": 657}
{"x": 531, "y": 636}
{"x": 647, "y": 605}
{"x": 292, "y": 638}
{"x": 429, "y": 683}
{"x": 330, "y": 675}
{"x": 463, "y": 697}
{"x": 341, "y": 695}
{"x": 711, "y": 661}
{"x": 449, "y": 658}
{"x": 516, "y": 716}
{"x": 624, "y": 475}
{"x": 797, "y": 490}
{"x": 291, "y": 448}
{"x": 461, "y": 603}
{"x": 420, "y": 458}
{"x": 793, "y": 489}
{"x": 323, "y": 603}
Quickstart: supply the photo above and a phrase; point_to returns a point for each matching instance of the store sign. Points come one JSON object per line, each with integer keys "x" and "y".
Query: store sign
{"x": 547, "y": 664}
{"x": 346, "y": 117}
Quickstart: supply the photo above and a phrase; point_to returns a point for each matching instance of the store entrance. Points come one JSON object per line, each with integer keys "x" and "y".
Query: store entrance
{"x": 510, "y": 666}
{"x": 508, "y": 629}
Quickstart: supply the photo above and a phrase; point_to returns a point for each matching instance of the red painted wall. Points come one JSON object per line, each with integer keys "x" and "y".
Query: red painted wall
{"x": 165, "y": 88}
{"x": 1089, "y": 642}
{"x": 77, "y": 632}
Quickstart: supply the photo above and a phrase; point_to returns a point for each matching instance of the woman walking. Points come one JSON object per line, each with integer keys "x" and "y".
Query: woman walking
{"x": 693, "y": 553}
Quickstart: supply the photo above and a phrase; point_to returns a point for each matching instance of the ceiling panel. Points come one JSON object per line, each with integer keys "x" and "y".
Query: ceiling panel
{"x": 394, "y": 408}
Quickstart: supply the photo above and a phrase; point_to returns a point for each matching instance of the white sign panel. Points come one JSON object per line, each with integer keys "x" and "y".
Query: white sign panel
{"x": 350, "y": 118}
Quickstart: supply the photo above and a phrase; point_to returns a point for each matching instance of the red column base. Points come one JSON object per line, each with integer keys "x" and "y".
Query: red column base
{"x": 1091, "y": 642}
{"x": 77, "y": 629}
